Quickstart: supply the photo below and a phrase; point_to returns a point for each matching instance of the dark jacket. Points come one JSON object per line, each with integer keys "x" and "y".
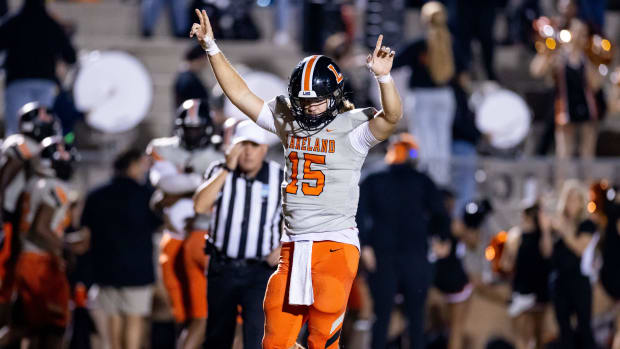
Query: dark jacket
{"x": 122, "y": 226}
{"x": 34, "y": 42}
{"x": 400, "y": 208}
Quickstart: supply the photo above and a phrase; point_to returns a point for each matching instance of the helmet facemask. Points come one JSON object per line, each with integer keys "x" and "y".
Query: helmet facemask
{"x": 314, "y": 122}
{"x": 194, "y": 137}
{"x": 57, "y": 159}
{"x": 63, "y": 169}
{"x": 38, "y": 122}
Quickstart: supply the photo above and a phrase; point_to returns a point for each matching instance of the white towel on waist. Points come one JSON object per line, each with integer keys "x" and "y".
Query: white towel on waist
{"x": 300, "y": 287}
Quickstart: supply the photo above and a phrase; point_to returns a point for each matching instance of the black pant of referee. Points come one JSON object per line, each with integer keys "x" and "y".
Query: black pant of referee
{"x": 230, "y": 283}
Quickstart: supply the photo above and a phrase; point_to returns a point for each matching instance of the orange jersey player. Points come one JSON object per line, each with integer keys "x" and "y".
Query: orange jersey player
{"x": 179, "y": 163}
{"x": 41, "y": 282}
{"x": 18, "y": 153}
{"x": 325, "y": 143}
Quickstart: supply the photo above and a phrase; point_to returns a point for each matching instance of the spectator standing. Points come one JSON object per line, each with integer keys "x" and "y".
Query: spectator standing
{"x": 244, "y": 194}
{"x": 576, "y": 84}
{"x": 187, "y": 84}
{"x": 523, "y": 255}
{"x": 571, "y": 254}
{"x": 31, "y": 68}
{"x": 451, "y": 278}
{"x": 607, "y": 216}
{"x": 430, "y": 100}
{"x": 151, "y": 9}
{"x": 122, "y": 225}
{"x": 465, "y": 138}
{"x": 474, "y": 20}
{"x": 399, "y": 209}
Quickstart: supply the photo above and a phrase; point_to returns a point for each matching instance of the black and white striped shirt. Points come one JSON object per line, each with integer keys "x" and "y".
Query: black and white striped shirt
{"x": 245, "y": 223}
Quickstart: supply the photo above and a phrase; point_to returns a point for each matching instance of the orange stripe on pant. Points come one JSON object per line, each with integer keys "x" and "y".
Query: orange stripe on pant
{"x": 334, "y": 266}
{"x": 7, "y": 266}
{"x": 183, "y": 272}
{"x": 43, "y": 289}
{"x": 195, "y": 263}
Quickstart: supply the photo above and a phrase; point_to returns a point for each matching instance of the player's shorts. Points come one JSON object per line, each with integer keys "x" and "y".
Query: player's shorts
{"x": 7, "y": 269}
{"x": 195, "y": 262}
{"x": 334, "y": 266}
{"x": 131, "y": 300}
{"x": 183, "y": 273}
{"x": 43, "y": 289}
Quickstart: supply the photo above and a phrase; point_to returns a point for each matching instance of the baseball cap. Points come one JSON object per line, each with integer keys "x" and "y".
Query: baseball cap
{"x": 248, "y": 131}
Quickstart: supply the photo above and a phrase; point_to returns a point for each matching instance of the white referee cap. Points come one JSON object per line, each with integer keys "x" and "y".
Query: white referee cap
{"x": 247, "y": 130}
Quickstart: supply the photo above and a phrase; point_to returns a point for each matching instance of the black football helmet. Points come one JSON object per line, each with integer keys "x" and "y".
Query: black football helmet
{"x": 193, "y": 124}
{"x": 316, "y": 78}
{"x": 57, "y": 158}
{"x": 38, "y": 122}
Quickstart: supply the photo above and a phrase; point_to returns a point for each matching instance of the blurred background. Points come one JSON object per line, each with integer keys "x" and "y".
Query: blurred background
{"x": 506, "y": 99}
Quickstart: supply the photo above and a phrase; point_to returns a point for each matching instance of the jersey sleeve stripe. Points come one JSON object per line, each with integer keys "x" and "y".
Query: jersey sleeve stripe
{"x": 156, "y": 156}
{"x": 61, "y": 195}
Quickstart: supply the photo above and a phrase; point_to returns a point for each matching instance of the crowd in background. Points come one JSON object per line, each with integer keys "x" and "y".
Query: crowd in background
{"x": 90, "y": 269}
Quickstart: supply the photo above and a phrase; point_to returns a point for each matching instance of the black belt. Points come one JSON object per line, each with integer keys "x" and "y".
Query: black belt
{"x": 217, "y": 257}
{"x": 239, "y": 263}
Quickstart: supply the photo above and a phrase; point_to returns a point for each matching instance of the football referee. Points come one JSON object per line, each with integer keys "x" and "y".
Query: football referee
{"x": 243, "y": 195}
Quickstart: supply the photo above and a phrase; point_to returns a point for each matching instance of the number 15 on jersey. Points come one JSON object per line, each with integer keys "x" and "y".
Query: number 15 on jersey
{"x": 306, "y": 160}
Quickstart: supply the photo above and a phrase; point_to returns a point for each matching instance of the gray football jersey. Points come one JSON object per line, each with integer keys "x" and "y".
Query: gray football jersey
{"x": 197, "y": 161}
{"x": 170, "y": 149}
{"x": 320, "y": 191}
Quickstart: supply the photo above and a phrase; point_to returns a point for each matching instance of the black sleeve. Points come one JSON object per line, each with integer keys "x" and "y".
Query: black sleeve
{"x": 67, "y": 52}
{"x": 587, "y": 227}
{"x": 440, "y": 219}
{"x": 364, "y": 218}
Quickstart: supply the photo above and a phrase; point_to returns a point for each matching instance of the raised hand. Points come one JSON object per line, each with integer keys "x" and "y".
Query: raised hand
{"x": 232, "y": 156}
{"x": 380, "y": 61}
{"x": 202, "y": 31}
